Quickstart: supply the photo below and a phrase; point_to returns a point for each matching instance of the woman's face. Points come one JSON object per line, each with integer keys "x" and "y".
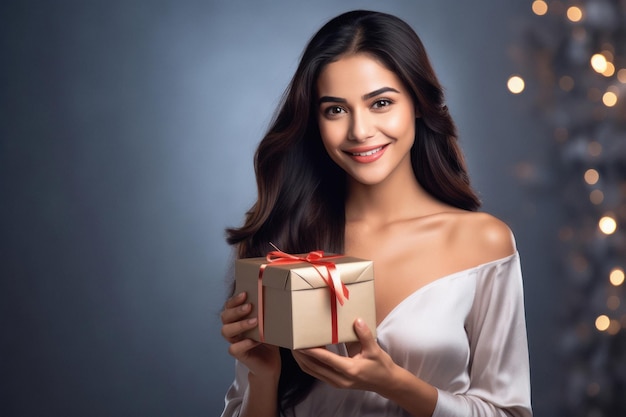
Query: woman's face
{"x": 366, "y": 118}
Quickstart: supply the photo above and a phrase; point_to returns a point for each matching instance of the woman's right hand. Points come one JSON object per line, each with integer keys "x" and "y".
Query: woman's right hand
{"x": 261, "y": 359}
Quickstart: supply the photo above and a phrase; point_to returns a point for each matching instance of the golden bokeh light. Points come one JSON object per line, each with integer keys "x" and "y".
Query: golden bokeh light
{"x": 609, "y": 99}
{"x": 621, "y": 75}
{"x": 596, "y": 197}
{"x": 515, "y": 84}
{"x": 614, "y": 327}
{"x": 598, "y": 63}
{"x": 607, "y": 225}
{"x": 540, "y": 7}
{"x": 591, "y": 176}
{"x": 574, "y": 13}
{"x": 602, "y": 322}
{"x": 610, "y": 69}
{"x": 616, "y": 276}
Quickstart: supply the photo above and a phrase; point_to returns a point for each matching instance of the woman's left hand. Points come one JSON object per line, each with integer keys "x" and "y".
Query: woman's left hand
{"x": 370, "y": 369}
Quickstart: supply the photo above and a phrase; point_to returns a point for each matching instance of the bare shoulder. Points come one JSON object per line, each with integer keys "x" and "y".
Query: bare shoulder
{"x": 481, "y": 237}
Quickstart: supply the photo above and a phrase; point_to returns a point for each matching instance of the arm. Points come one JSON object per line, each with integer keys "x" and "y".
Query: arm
{"x": 499, "y": 368}
{"x": 254, "y": 391}
{"x": 250, "y": 395}
{"x": 496, "y": 327}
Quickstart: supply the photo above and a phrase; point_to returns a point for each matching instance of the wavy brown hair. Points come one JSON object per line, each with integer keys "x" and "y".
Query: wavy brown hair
{"x": 301, "y": 191}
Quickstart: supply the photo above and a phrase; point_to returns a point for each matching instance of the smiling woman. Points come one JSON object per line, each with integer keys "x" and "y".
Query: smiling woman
{"x": 363, "y": 159}
{"x": 365, "y": 112}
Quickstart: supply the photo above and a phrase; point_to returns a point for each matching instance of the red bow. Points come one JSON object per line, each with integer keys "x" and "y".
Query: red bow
{"x": 326, "y": 269}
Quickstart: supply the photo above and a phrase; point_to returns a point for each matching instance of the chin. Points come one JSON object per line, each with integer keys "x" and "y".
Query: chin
{"x": 368, "y": 179}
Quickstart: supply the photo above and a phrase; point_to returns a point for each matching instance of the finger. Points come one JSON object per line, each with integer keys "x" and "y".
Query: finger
{"x": 232, "y": 331}
{"x": 321, "y": 371}
{"x": 239, "y": 349}
{"x": 363, "y": 332}
{"x": 301, "y": 360}
{"x": 230, "y": 315}
{"x": 308, "y": 364}
{"x": 235, "y": 300}
{"x": 326, "y": 358}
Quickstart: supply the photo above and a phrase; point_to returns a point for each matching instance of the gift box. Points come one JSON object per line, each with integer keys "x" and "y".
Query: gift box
{"x": 310, "y": 300}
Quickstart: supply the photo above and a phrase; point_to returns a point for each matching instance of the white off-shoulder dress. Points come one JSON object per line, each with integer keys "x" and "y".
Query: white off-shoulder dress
{"x": 464, "y": 333}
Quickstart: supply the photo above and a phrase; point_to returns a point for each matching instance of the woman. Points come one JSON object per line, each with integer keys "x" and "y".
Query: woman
{"x": 362, "y": 159}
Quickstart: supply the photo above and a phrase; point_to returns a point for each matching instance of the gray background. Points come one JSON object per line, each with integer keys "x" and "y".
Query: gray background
{"x": 127, "y": 130}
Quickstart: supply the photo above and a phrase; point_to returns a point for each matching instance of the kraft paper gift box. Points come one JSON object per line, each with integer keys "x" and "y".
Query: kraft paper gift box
{"x": 297, "y": 300}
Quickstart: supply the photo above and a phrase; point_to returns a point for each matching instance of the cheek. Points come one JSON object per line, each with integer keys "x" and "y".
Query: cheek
{"x": 401, "y": 126}
{"x": 331, "y": 134}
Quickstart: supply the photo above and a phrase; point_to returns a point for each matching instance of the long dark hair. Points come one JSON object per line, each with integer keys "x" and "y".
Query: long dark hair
{"x": 301, "y": 191}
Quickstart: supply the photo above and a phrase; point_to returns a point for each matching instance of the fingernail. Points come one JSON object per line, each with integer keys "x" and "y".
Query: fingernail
{"x": 240, "y": 295}
{"x": 252, "y": 320}
{"x": 359, "y": 323}
{"x": 244, "y": 307}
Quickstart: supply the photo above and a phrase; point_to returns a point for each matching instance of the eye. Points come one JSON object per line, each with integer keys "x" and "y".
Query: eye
{"x": 334, "y": 110}
{"x": 382, "y": 103}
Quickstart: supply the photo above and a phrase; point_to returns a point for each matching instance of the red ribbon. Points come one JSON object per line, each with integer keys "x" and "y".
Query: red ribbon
{"x": 326, "y": 269}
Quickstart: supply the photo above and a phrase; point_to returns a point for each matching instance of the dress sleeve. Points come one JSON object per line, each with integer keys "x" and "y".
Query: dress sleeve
{"x": 499, "y": 366}
{"x": 235, "y": 394}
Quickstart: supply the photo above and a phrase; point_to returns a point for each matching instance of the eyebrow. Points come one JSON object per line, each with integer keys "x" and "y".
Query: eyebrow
{"x": 330, "y": 99}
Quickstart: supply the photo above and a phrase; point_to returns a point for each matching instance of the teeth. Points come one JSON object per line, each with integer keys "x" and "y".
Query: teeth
{"x": 368, "y": 153}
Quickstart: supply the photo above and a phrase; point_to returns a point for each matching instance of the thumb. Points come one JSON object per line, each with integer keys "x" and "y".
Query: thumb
{"x": 363, "y": 332}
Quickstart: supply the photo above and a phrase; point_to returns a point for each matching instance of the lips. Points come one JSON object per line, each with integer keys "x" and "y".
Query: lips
{"x": 366, "y": 155}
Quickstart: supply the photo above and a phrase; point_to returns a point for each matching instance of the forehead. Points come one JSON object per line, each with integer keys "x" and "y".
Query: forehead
{"x": 355, "y": 75}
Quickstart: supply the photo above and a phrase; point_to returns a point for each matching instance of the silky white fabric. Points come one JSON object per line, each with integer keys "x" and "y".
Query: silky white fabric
{"x": 464, "y": 333}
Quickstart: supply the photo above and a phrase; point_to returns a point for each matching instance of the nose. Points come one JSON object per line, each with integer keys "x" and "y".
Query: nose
{"x": 361, "y": 127}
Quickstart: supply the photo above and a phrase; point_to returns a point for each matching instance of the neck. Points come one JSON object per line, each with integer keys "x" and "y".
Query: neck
{"x": 399, "y": 197}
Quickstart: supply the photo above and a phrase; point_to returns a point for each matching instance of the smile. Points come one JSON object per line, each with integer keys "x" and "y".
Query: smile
{"x": 365, "y": 155}
{"x": 368, "y": 153}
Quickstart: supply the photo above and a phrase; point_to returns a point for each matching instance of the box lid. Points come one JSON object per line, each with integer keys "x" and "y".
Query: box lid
{"x": 304, "y": 276}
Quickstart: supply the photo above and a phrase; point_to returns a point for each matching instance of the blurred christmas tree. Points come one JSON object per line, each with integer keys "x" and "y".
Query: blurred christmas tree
{"x": 572, "y": 66}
